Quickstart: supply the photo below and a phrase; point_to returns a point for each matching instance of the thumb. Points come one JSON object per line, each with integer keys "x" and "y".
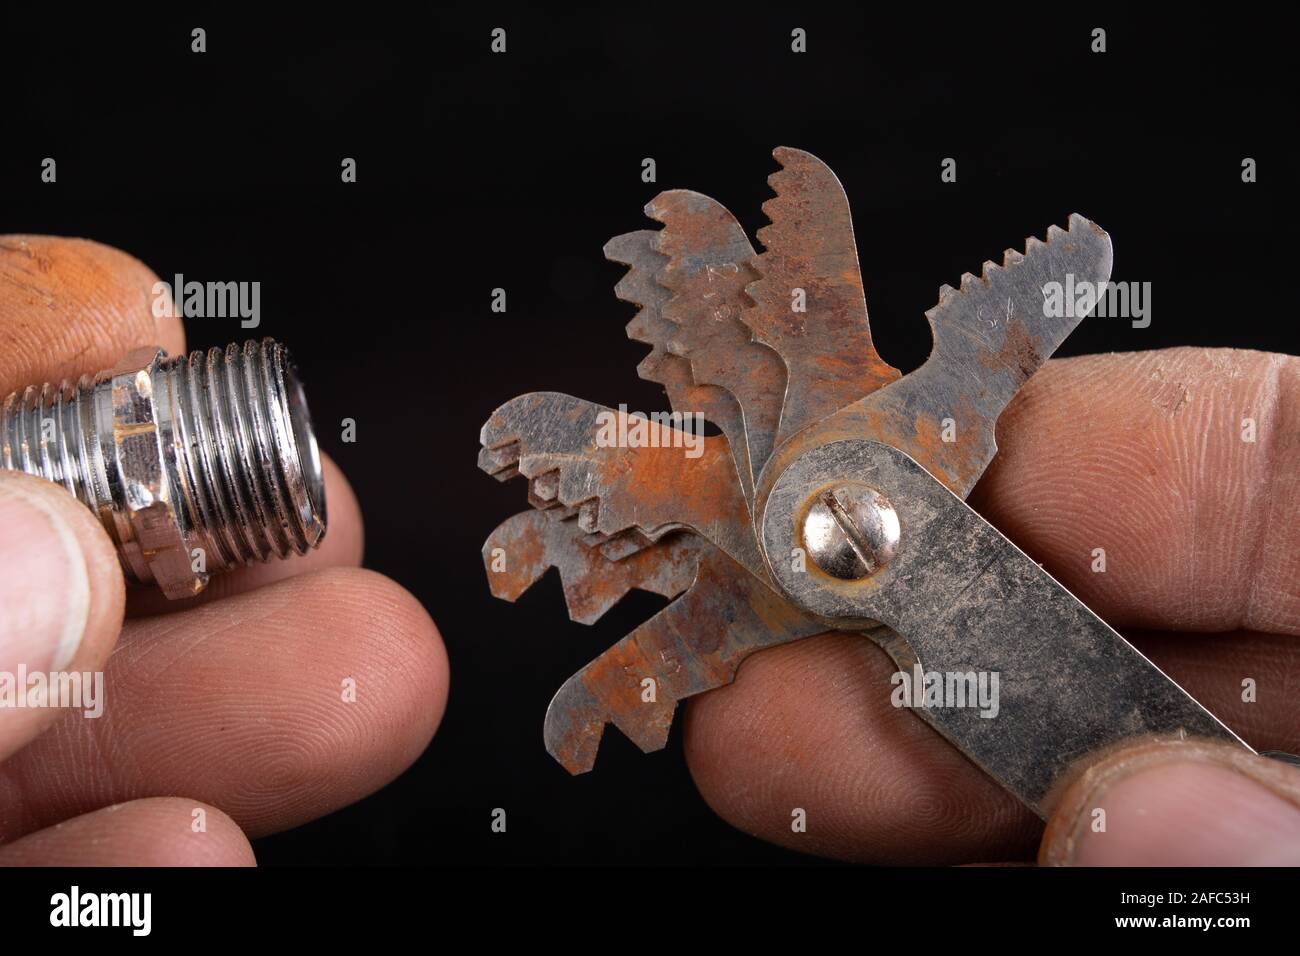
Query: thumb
{"x": 61, "y": 600}
{"x": 1191, "y": 803}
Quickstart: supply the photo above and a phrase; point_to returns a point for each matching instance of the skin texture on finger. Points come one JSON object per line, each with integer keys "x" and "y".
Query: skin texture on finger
{"x": 1143, "y": 455}
{"x": 1212, "y": 668}
{"x": 1190, "y": 803}
{"x": 70, "y": 307}
{"x": 157, "y": 831}
{"x": 278, "y": 706}
{"x": 343, "y": 547}
{"x": 812, "y": 727}
{"x": 59, "y": 568}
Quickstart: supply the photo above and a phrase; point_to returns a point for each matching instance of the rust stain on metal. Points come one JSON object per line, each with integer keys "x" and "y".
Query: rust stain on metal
{"x": 687, "y": 391}
{"x": 728, "y": 339}
{"x": 707, "y": 270}
{"x": 621, "y": 470}
{"x": 694, "y": 645}
{"x": 525, "y": 547}
{"x": 827, "y": 348}
{"x": 1019, "y": 352}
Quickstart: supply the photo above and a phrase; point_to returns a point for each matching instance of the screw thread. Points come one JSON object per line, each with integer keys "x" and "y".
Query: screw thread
{"x": 43, "y": 432}
{"x": 241, "y": 418}
{"x": 239, "y": 463}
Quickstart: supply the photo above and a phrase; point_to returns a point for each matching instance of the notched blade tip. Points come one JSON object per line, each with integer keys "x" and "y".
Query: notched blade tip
{"x": 1079, "y": 227}
{"x": 570, "y": 739}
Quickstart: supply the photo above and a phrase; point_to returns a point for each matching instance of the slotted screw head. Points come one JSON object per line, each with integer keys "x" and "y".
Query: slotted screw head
{"x": 850, "y": 531}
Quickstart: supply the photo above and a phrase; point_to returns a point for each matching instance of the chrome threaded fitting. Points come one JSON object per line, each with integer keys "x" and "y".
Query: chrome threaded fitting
{"x": 194, "y": 464}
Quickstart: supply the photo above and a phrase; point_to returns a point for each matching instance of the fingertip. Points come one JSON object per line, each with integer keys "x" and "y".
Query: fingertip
{"x": 72, "y": 307}
{"x": 345, "y": 519}
{"x": 57, "y": 556}
{"x": 408, "y": 649}
{"x": 378, "y": 652}
{"x": 154, "y": 831}
{"x": 169, "y": 332}
{"x": 1178, "y": 803}
{"x": 61, "y": 592}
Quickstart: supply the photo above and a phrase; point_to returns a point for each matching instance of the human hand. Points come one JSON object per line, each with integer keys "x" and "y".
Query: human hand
{"x": 1144, "y": 455}
{"x": 226, "y": 709}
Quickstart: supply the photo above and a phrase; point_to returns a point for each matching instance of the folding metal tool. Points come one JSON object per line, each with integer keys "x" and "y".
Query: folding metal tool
{"x": 833, "y": 499}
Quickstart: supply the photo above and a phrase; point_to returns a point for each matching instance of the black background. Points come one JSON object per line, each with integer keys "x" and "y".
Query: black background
{"x": 478, "y": 170}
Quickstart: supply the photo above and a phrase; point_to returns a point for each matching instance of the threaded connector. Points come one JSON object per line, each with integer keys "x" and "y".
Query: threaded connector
{"x": 194, "y": 464}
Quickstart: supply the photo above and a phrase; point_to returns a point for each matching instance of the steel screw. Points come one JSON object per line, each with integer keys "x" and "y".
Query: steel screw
{"x": 193, "y": 464}
{"x": 850, "y": 531}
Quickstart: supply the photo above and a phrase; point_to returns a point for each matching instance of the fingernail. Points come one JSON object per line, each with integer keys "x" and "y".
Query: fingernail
{"x": 44, "y": 588}
{"x": 1187, "y": 812}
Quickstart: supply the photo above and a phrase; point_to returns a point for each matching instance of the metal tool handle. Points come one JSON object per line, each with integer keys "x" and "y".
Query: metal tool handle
{"x": 969, "y": 602}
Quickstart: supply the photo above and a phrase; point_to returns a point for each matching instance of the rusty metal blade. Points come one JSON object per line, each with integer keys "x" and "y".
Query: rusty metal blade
{"x": 828, "y": 352}
{"x": 989, "y": 337}
{"x": 707, "y": 269}
{"x": 650, "y": 326}
{"x": 621, "y": 471}
{"x": 693, "y": 645}
{"x": 616, "y": 547}
{"x": 521, "y": 550}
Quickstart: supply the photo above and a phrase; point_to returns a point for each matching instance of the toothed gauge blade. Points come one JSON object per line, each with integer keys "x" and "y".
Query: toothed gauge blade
{"x": 707, "y": 269}
{"x": 990, "y": 335}
{"x": 808, "y": 300}
{"x": 623, "y": 471}
{"x": 520, "y": 551}
{"x": 616, "y": 547}
{"x": 693, "y": 645}
{"x": 685, "y": 394}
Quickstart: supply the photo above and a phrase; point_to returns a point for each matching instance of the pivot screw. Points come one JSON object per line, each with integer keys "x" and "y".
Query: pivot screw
{"x": 850, "y": 531}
